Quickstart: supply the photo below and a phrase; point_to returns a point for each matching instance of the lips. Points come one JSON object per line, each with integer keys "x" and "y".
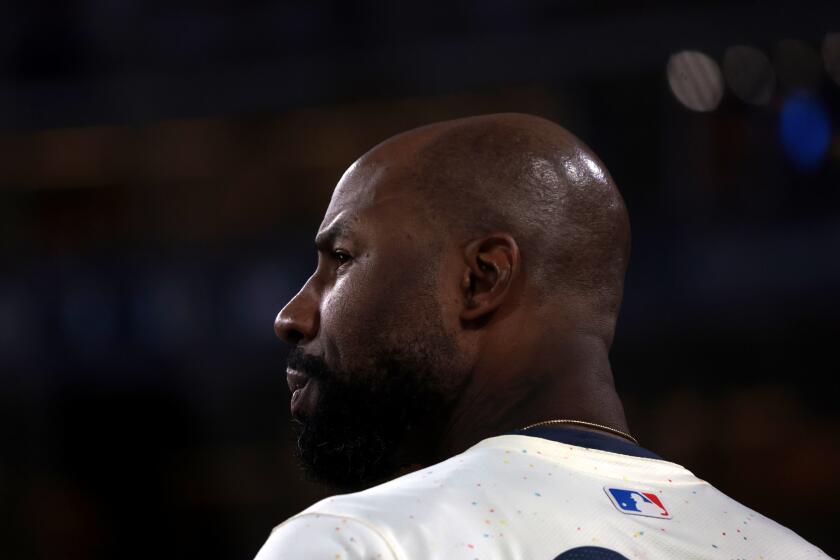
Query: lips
{"x": 304, "y": 393}
{"x": 296, "y": 379}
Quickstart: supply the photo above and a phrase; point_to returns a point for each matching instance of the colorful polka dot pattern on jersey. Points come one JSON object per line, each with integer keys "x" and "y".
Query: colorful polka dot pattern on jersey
{"x": 524, "y": 497}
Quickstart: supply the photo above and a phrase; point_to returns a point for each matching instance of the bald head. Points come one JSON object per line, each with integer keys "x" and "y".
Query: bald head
{"x": 468, "y": 281}
{"x": 529, "y": 177}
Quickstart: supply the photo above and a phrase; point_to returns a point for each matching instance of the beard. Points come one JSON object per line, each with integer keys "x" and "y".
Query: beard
{"x": 365, "y": 420}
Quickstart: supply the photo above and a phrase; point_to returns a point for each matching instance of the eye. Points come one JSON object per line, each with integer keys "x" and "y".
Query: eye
{"x": 341, "y": 256}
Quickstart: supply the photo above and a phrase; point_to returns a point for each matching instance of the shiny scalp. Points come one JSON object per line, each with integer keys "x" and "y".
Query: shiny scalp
{"x": 532, "y": 178}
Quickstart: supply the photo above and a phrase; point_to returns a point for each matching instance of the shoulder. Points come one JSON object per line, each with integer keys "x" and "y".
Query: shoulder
{"x": 492, "y": 476}
{"x": 404, "y": 514}
{"x": 372, "y": 524}
{"x": 315, "y": 535}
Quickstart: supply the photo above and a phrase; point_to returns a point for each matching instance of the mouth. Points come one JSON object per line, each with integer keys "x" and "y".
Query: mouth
{"x": 304, "y": 393}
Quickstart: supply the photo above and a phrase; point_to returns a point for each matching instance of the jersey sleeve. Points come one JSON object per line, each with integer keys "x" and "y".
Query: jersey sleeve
{"x": 333, "y": 537}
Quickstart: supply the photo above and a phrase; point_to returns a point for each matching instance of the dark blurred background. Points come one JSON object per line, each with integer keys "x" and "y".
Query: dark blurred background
{"x": 164, "y": 167}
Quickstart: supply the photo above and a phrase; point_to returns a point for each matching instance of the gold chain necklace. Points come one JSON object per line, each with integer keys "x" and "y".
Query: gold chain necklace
{"x": 587, "y": 424}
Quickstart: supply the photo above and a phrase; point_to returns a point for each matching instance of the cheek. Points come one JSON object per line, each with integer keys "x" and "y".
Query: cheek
{"x": 354, "y": 311}
{"x": 374, "y": 304}
{"x": 344, "y": 311}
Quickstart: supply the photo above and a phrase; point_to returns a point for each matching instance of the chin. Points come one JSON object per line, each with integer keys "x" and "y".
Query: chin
{"x": 341, "y": 458}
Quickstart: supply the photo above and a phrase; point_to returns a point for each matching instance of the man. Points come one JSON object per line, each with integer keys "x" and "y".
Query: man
{"x": 451, "y": 355}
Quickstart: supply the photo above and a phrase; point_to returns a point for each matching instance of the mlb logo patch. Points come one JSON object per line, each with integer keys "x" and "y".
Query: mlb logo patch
{"x": 636, "y": 502}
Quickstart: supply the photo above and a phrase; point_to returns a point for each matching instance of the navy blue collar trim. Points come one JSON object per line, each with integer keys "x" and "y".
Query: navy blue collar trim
{"x": 585, "y": 438}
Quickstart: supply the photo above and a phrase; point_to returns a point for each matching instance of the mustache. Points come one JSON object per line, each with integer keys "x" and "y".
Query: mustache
{"x": 313, "y": 366}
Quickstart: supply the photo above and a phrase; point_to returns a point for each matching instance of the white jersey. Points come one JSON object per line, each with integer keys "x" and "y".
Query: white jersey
{"x": 524, "y": 497}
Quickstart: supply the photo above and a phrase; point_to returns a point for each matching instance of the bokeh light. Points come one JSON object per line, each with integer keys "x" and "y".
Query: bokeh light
{"x": 749, "y": 74}
{"x": 831, "y": 56}
{"x": 805, "y": 130}
{"x": 696, "y": 80}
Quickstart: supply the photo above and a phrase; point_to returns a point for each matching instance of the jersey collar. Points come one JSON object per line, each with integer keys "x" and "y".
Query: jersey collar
{"x": 586, "y": 438}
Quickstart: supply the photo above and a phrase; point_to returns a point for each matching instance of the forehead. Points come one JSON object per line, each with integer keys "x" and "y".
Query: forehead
{"x": 384, "y": 180}
{"x": 373, "y": 187}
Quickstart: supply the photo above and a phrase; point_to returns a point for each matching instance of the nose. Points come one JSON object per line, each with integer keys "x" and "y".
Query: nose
{"x": 298, "y": 321}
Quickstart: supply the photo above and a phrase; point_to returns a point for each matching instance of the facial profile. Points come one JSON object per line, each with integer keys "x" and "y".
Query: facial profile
{"x": 373, "y": 370}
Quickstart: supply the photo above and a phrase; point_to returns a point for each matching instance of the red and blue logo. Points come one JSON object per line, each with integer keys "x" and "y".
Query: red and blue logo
{"x": 636, "y": 502}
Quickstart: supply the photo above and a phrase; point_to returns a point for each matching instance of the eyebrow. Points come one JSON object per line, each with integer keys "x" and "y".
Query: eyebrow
{"x": 326, "y": 238}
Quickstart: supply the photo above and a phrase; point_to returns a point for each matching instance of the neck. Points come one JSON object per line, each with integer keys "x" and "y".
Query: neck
{"x": 565, "y": 378}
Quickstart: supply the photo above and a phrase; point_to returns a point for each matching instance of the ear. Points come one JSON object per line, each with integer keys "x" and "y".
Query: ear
{"x": 492, "y": 263}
